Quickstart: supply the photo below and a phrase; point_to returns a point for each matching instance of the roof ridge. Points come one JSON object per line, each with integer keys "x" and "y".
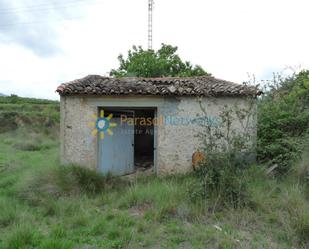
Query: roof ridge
{"x": 151, "y": 78}
{"x": 206, "y": 85}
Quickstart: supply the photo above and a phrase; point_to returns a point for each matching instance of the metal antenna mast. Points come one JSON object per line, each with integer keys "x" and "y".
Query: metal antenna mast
{"x": 150, "y": 8}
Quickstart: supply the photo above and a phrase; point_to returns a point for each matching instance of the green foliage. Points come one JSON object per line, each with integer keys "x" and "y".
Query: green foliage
{"x": 66, "y": 181}
{"x": 92, "y": 182}
{"x": 149, "y": 63}
{"x": 223, "y": 180}
{"x": 283, "y": 120}
{"x": 220, "y": 176}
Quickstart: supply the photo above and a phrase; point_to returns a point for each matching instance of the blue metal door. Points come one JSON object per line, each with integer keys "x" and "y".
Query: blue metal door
{"x": 116, "y": 152}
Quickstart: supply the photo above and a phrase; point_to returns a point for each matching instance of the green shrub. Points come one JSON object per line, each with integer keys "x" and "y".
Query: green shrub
{"x": 42, "y": 189}
{"x": 196, "y": 189}
{"x": 220, "y": 177}
{"x": 283, "y": 120}
{"x": 91, "y": 181}
{"x": 222, "y": 180}
{"x": 8, "y": 121}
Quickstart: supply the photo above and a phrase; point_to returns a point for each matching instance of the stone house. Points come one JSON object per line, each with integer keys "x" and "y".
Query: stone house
{"x": 120, "y": 125}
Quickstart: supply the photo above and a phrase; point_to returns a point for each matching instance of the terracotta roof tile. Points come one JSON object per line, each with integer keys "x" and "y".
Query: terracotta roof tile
{"x": 173, "y": 86}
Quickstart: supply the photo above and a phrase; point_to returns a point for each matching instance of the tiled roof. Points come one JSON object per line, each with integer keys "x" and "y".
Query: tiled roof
{"x": 169, "y": 86}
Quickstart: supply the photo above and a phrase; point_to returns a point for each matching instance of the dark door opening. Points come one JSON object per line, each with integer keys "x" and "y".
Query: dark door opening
{"x": 144, "y": 139}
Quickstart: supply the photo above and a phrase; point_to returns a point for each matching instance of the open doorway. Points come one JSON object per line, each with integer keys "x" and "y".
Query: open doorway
{"x": 144, "y": 139}
{"x": 131, "y": 147}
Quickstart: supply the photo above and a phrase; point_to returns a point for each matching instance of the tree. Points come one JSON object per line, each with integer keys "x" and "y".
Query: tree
{"x": 149, "y": 63}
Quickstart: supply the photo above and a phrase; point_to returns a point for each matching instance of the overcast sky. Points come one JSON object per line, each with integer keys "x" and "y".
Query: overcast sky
{"x": 44, "y": 43}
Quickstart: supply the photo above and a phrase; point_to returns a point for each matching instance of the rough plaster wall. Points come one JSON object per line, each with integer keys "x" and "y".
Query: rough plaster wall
{"x": 78, "y": 146}
{"x": 177, "y": 143}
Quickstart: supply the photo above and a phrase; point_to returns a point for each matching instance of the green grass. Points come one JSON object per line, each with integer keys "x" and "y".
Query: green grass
{"x": 44, "y": 205}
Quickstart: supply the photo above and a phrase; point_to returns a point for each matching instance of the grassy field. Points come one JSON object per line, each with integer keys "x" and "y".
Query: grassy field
{"x": 37, "y": 115}
{"x": 44, "y": 205}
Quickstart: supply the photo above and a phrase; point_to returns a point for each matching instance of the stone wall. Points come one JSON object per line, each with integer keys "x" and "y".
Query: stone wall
{"x": 77, "y": 144}
{"x": 176, "y": 140}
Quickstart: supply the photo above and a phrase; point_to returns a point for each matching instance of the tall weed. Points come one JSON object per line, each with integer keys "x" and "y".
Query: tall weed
{"x": 220, "y": 177}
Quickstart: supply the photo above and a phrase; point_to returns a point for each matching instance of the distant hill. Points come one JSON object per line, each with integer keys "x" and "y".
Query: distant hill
{"x": 30, "y": 113}
{"x": 2, "y": 95}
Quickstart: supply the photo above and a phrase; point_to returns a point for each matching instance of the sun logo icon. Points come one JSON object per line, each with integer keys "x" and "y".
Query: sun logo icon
{"x": 102, "y": 125}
